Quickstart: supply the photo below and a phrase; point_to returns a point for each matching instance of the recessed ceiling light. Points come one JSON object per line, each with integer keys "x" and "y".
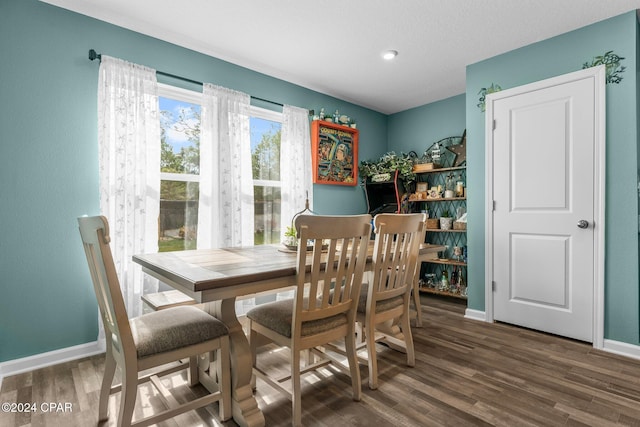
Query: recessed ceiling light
{"x": 389, "y": 54}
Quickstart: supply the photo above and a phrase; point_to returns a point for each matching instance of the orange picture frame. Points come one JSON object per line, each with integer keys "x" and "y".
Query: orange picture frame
{"x": 334, "y": 153}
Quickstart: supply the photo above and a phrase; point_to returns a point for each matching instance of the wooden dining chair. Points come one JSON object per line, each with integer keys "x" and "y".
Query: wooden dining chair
{"x": 384, "y": 301}
{"x": 151, "y": 340}
{"x": 337, "y": 255}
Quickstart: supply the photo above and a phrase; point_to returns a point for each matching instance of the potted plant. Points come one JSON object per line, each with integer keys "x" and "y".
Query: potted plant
{"x": 386, "y": 166}
{"x": 446, "y": 220}
{"x": 290, "y": 238}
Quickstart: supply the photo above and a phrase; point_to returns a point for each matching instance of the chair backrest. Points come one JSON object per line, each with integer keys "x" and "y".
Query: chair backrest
{"x": 95, "y": 237}
{"x": 337, "y": 255}
{"x": 395, "y": 255}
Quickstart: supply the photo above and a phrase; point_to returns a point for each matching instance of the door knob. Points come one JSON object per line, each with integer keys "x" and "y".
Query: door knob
{"x": 583, "y": 223}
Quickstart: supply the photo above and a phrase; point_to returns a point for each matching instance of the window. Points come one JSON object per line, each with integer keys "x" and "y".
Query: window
{"x": 265, "y": 160}
{"x": 180, "y": 167}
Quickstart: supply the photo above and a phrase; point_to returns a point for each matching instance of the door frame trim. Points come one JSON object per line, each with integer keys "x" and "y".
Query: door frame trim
{"x": 598, "y": 75}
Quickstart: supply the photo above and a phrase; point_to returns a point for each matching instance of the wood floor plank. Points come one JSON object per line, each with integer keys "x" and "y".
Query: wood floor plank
{"x": 467, "y": 373}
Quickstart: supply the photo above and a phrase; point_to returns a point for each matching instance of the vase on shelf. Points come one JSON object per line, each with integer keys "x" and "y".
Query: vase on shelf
{"x": 446, "y": 222}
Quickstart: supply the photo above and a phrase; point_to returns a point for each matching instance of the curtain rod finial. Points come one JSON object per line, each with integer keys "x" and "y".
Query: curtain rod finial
{"x": 93, "y": 55}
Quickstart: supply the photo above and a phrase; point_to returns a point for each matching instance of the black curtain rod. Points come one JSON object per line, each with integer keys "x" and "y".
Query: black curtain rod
{"x": 93, "y": 55}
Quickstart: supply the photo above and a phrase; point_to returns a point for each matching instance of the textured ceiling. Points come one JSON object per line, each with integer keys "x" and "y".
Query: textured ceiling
{"x": 334, "y": 47}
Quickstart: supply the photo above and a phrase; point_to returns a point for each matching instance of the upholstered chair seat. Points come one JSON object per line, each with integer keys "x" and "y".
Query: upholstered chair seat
{"x": 384, "y": 305}
{"x": 174, "y": 328}
{"x": 278, "y": 317}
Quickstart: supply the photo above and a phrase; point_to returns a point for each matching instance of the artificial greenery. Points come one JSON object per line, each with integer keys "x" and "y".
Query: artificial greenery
{"x": 486, "y": 91}
{"x": 389, "y": 163}
{"x": 611, "y": 61}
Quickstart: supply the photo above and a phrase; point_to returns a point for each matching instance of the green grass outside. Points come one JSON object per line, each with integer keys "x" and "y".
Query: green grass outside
{"x": 170, "y": 244}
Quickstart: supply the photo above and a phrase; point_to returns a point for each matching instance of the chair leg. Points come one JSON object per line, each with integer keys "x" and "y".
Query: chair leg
{"x": 193, "y": 373}
{"x": 359, "y": 333}
{"x": 408, "y": 340}
{"x": 223, "y": 366}
{"x": 354, "y": 369}
{"x": 370, "y": 337}
{"x": 253, "y": 348}
{"x": 295, "y": 388}
{"x": 105, "y": 389}
{"x": 416, "y": 302}
{"x": 128, "y": 396}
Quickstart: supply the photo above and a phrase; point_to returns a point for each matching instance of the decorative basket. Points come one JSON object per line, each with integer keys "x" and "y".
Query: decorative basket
{"x": 457, "y": 225}
{"x": 423, "y": 167}
{"x": 433, "y": 223}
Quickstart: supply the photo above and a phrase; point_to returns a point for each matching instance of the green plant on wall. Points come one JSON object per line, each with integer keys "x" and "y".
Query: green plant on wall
{"x": 388, "y": 163}
{"x": 611, "y": 61}
{"x": 486, "y": 91}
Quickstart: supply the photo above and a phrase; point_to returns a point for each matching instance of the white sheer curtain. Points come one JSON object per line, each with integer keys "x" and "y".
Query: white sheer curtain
{"x": 295, "y": 164}
{"x": 225, "y": 210}
{"x": 129, "y": 163}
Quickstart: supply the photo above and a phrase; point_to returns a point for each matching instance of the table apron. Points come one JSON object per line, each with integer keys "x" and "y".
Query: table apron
{"x": 246, "y": 289}
{"x": 227, "y": 292}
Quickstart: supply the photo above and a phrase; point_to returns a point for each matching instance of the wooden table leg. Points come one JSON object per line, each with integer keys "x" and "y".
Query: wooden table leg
{"x": 244, "y": 405}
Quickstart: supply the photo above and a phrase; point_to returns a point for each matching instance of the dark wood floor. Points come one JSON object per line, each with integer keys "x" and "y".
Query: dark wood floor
{"x": 466, "y": 373}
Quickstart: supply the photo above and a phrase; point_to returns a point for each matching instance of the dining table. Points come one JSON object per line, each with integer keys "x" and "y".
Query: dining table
{"x": 215, "y": 278}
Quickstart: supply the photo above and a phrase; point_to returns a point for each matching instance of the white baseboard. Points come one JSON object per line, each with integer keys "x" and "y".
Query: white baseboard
{"x": 30, "y": 363}
{"x": 622, "y": 348}
{"x": 475, "y": 315}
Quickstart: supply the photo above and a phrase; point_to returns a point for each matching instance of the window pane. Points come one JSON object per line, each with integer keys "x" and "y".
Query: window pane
{"x": 180, "y": 154}
{"x": 267, "y": 215}
{"x": 265, "y": 159}
{"x": 178, "y": 225}
{"x": 265, "y": 149}
{"x": 180, "y": 136}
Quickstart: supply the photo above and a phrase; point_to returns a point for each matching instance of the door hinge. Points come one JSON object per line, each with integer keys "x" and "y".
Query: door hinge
{"x": 494, "y": 206}
{"x": 494, "y": 124}
{"x": 493, "y": 286}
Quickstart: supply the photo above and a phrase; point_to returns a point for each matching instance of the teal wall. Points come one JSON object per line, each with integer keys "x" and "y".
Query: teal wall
{"x": 549, "y": 58}
{"x": 49, "y": 160}
{"x": 416, "y": 129}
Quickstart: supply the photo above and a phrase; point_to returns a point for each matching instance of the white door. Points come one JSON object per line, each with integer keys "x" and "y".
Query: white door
{"x": 544, "y": 162}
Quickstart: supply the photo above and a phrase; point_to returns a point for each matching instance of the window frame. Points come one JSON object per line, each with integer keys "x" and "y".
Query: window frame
{"x": 190, "y": 96}
{"x": 193, "y": 97}
{"x": 185, "y": 95}
{"x": 274, "y": 116}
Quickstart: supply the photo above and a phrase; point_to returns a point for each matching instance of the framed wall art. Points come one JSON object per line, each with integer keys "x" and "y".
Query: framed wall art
{"x": 334, "y": 151}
